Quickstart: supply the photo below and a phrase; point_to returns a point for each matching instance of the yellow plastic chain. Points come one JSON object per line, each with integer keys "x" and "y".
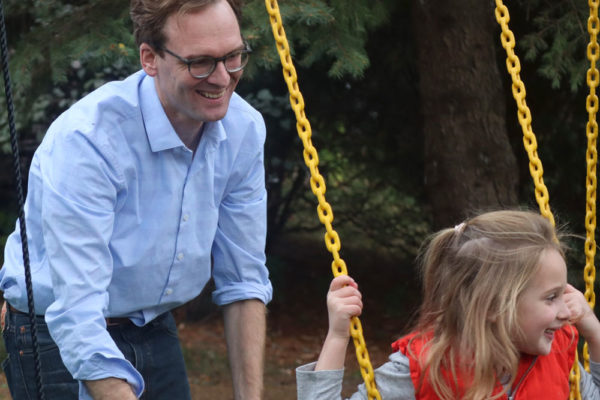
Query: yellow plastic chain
{"x": 589, "y": 272}
{"x": 518, "y": 89}
{"x": 535, "y": 165}
{"x": 317, "y": 183}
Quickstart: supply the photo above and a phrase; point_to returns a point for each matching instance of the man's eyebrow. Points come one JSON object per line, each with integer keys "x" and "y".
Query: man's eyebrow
{"x": 195, "y": 57}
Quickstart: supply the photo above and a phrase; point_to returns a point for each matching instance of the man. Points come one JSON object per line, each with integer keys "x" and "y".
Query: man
{"x": 132, "y": 192}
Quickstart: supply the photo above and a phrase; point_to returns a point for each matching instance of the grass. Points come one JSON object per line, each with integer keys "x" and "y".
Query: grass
{"x": 206, "y": 366}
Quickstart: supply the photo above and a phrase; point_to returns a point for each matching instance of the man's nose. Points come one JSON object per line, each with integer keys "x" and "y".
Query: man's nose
{"x": 219, "y": 76}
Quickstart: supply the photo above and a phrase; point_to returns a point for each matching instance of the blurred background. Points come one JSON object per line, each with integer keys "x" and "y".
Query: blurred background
{"x": 412, "y": 115}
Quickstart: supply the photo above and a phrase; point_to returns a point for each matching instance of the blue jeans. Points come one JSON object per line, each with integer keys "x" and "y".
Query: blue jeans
{"x": 153, "y": 349}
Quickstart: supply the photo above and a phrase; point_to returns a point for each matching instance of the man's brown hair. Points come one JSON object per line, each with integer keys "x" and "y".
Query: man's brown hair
{"x": 149, "y": 17}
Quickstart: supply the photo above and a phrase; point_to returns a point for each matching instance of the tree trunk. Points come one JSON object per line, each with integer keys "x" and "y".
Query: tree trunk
{"x": 469, "y": 163}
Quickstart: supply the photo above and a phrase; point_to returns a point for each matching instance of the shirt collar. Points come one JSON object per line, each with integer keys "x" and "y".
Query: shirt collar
{"x": 161, "y": 134}
{"x": 213, "y": 134}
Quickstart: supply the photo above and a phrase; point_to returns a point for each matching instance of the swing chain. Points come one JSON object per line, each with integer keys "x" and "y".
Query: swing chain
{"x": 317, "y": 183}
{"x": 524, "y": 114}
{"x": 39, "y": 385}
{"x": 589, "y": 272}
{"x": 535, "y": 166}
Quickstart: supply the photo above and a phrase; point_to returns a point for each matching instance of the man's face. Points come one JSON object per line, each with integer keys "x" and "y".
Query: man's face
{"x": 211, "y": 31}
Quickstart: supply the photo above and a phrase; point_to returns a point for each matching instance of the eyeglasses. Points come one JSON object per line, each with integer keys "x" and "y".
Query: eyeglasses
{"x": 202, "y": 67}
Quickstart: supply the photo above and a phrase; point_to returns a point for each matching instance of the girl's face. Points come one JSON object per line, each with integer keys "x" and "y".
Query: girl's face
{"x": 541, "y": 309}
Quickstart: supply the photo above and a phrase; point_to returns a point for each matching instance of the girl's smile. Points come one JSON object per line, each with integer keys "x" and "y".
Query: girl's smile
{"x": 541, "y": 309}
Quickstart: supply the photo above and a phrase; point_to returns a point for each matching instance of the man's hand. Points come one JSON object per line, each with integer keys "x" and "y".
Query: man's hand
{"x": 110, "y": 389}
{"x": 245, "y": 326}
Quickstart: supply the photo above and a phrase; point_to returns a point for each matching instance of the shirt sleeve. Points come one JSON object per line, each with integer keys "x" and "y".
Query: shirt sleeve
{"x": 80, "y": 190}
{"x": 392, "y": 379}
{"x": 240, "y": 271}
{"x": 590, "y": 382}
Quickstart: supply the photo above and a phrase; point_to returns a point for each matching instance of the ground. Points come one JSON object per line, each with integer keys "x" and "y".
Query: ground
{"x": 297, "y": 319}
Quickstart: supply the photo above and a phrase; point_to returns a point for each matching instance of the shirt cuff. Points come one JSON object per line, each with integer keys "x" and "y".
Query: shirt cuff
{"x": 104, "y": 367}
{"x": 313, "y": 384}
{"x": 243, "y": 291}
{"x": 595, "y": 370}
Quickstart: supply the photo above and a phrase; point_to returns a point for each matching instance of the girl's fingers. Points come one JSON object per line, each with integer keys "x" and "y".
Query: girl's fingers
{"x": 341, "y": 281}
{"x": 341, "y": 304}
{"x": 569, "y": 289}
{"x": 344, "y": 300}
{"x": 353, "y": 311}
{"x": 347, "y": 291}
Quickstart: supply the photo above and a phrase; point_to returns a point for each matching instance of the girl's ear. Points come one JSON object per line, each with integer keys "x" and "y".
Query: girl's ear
{"x": 148, "y": 58}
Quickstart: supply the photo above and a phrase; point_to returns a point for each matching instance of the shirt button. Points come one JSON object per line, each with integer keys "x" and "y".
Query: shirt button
{"x": 180, "y": 256}
{"x": 168, "y": 291}
{"x": 185, "y": 217}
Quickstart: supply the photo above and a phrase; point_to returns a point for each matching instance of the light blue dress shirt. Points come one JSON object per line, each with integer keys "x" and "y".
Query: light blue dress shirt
{"x": 122, "y": 220}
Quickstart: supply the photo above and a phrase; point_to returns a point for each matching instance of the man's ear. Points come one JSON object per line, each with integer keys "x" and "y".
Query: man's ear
{"x": 148, "y": 58}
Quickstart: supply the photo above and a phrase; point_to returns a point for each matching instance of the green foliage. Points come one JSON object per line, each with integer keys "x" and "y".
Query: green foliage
{"x": 559, "y": 40}
{"x": 368, "y": 159}
{"x": 554, "y": 35}
{"x": 7, "y": 225}
{"x": 91, "y": 43}
{"x": 318, "y": 30}
{"x": 369, "y": 206}
{"x": 46, "y": 40}
{"x": 47, "y": 36}
{"x": 81, "y": 78}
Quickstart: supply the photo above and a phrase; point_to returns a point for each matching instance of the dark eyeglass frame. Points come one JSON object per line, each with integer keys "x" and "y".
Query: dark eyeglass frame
{"x": 215, "y": 60}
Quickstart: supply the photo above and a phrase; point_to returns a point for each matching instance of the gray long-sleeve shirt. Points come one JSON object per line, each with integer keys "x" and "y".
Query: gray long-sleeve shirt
{"x": 394, "y": 382}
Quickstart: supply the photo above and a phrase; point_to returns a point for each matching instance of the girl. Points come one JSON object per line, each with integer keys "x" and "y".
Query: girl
{"x": 497, "y": 321}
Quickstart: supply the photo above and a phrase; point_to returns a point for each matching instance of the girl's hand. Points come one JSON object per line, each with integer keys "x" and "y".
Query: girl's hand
{"x": 584, "y": 319}
{"x": 582, "y": 315}
{"x": 343, "y": 303}
{"x": 577, "y": 305}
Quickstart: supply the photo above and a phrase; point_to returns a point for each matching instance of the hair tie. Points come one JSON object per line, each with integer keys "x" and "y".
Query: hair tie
{"x": 460, "y": 227}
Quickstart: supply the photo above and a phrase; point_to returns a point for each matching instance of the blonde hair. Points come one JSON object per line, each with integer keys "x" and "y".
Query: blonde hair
{"x": 473, "y": 276}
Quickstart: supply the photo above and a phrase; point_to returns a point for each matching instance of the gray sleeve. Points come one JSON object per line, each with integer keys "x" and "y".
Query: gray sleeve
{"x": 392, "y": 378}
{"x": 590, "y": 383}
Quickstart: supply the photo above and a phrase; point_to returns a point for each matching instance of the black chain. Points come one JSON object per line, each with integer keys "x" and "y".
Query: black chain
{"x": 19, "y": 187}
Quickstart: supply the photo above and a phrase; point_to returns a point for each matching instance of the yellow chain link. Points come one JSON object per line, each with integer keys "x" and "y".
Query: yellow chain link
{"x": 589, "y": 272}
{"x": 535, "y": 165}
{"x": 317, "y": 183}
{"x": 518, "y": 89}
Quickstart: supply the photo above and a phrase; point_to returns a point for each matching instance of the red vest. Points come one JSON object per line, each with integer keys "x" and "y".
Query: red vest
{"x": 542, "y": 377}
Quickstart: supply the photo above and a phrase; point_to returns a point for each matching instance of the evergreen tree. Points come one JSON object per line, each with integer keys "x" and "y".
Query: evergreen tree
{"x": 49, "y": 39}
